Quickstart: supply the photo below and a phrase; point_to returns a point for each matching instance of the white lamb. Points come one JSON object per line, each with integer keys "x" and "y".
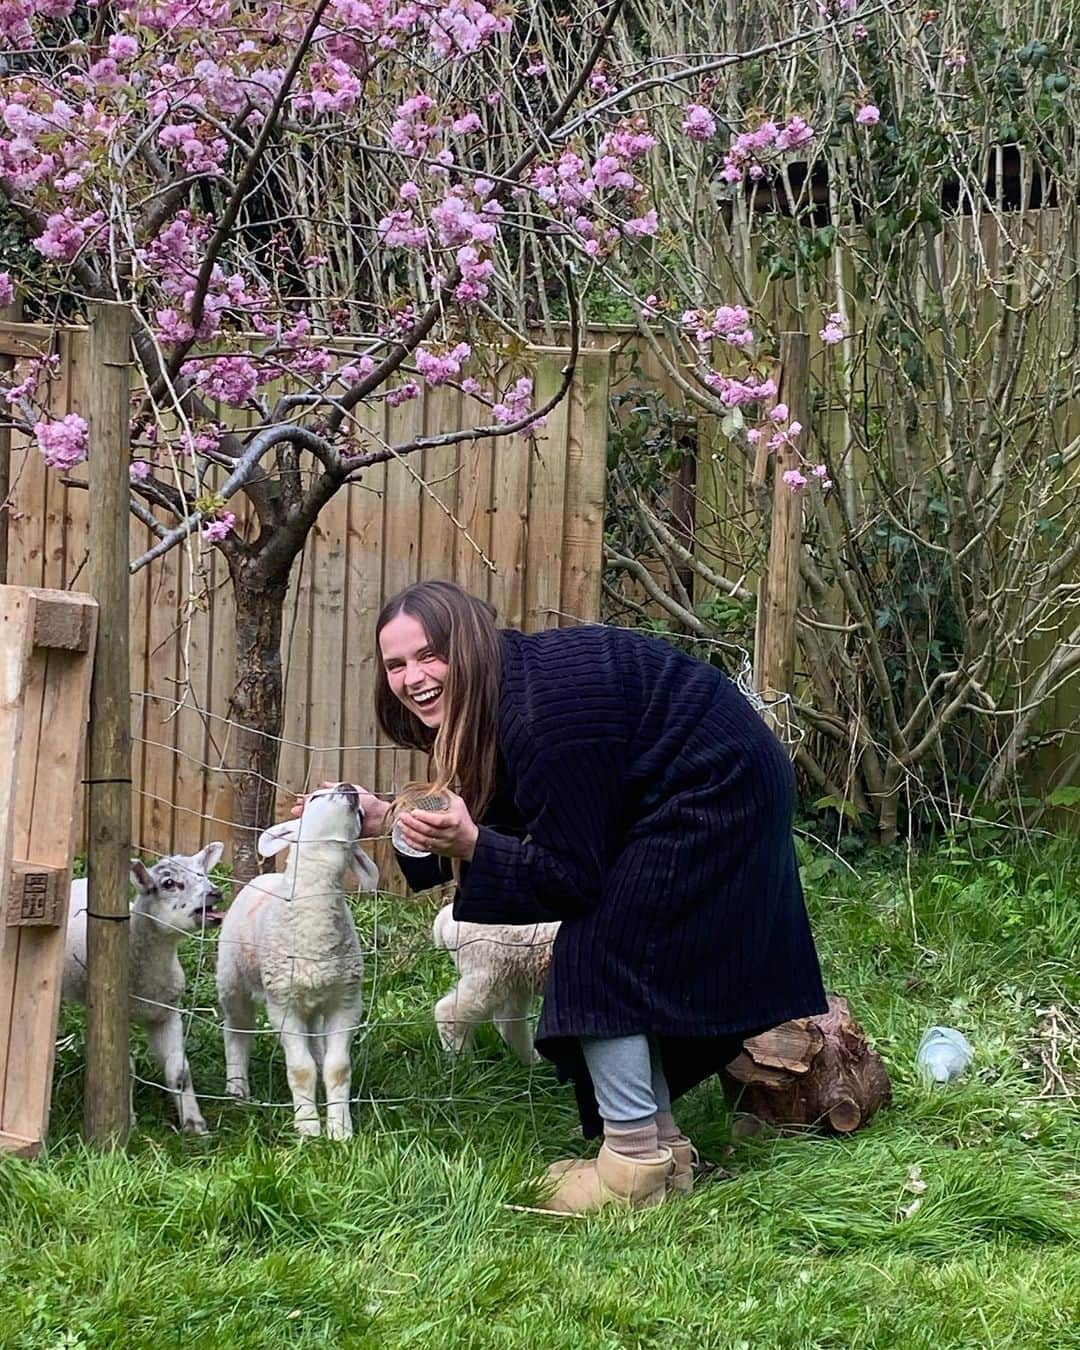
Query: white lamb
{"x": 289, "y": 941}
{"x": 501, "y": 967}
{"x": 174, "y": 897}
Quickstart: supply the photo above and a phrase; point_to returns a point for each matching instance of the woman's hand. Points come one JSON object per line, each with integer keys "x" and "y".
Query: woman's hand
{"x": 451, "y": 833}
{"x": 374, "y": 808}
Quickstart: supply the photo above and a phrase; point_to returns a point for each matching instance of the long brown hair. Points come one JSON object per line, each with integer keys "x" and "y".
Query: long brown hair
{"x": 461, "y": 630}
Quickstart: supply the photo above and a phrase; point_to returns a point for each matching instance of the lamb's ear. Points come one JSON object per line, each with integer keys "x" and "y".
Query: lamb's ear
{"x": 209, "y": 857}
{"x": 367, "y": 874}
{"x": 278, "y": 837}
{"x": 140, "y": 877}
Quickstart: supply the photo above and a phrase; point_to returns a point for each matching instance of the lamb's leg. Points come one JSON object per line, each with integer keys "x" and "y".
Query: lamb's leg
{"x": 238, "y": 1031}
{"x": 300, "y": 1067}
{"x": 167, "y": 1042}
{"x": 512, "y": 1024}
{"x": 337, "y": 1069}
{"x": 457, "y": 1012}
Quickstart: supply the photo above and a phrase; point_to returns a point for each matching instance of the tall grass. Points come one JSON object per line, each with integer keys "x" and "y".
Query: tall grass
{"x": 950, "y": 1221}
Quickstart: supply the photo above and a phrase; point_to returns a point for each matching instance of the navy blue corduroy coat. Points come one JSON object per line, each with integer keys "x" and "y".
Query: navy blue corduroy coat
{"x": 643, "y": 801}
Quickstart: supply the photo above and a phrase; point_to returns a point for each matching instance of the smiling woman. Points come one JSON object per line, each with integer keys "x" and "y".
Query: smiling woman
{"x": 604, "y": 779}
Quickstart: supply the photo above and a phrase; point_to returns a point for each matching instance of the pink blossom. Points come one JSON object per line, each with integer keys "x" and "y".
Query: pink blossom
{"x": 698, "y": 123}
{"x": 438, "y": 369}
{"x": 216, "y": 530}
{"x": 7, "y": 290}
{"x": 640, "y": 227}
{"x": 753, "y": 435}
{"x": 138, "y": 469}
{"x": 794, "y": 479}
{"x": 796, "y": 133}
{"x": 868, "y": 115}
{"x": 122, "y": 47}
{"x": 105, "y": 74}
{"x": 860, "y": 32}
{"x": 400, "y": 229}
{"x": 63, "y": 443}
{"x": 403, "y": 393}
{"x": 516, "y": 402}
{"x": 779, "y": 413}
{"x": 229, "y": 379}
{"x": 833, "y": 331}
{"x": 955, "y": 59}
{"x": 64, "y": 235}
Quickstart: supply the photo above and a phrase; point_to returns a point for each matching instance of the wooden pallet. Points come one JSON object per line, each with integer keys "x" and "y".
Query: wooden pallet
{"x": 46, "y": 661}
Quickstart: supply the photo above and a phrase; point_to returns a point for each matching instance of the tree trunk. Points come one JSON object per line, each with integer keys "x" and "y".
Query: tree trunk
{"x": 256, "y": 709}
{"x": 815, "y": 1071}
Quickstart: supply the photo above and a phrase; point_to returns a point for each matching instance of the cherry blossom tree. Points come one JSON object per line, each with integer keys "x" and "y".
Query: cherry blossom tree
{"x": 312, "y": 208}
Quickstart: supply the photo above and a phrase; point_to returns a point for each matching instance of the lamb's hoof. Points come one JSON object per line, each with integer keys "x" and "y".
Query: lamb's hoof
{"x": 195, "y": 1125}
{"x": 339, "y": 1129}
{"x": 240, "y": 1090}
{"x": 308, "y": 1129}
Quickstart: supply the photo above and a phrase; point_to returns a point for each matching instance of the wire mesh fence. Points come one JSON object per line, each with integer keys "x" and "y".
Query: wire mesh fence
{"x": 402, "y": 1062}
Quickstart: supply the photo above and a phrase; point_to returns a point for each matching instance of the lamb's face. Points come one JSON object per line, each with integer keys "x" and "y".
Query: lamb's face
{"x": 177, "y": 891}
{"x": 331, "y": 814}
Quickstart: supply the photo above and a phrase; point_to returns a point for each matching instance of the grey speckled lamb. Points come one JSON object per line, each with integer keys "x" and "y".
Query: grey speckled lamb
{"x": 174, "y": 897}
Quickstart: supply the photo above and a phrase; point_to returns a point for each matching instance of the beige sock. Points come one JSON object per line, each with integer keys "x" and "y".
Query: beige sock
{"x": 667, "y": 1132}
{"x": 632, "y": 1139}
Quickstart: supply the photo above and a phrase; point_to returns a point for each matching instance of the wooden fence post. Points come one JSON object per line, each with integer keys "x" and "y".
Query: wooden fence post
{"x": 778, "y": 594}
{"x": 106, "y": 1119}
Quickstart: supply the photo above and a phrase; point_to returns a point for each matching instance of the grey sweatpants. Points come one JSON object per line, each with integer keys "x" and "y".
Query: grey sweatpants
{"x": 627, "y": 1078}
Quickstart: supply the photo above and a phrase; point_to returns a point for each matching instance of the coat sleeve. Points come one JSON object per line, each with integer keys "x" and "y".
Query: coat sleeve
{"x": 570, "y": 800}
{"x": 423, "y": 873}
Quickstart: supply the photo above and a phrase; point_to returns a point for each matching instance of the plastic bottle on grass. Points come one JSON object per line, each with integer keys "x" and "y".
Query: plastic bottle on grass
{"x": 944, "y": 1054}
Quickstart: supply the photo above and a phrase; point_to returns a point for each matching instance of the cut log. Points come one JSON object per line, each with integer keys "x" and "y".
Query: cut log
{"x": 815, "y": 1071}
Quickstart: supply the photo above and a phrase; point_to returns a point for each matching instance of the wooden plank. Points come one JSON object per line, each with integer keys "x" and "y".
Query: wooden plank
{"x": 327, "y": 638}
{"x": 444, "y": 470}
{"x": 219, "y": 792}
{"x": 74, "y": 570}
{"x": 159, "y": 758}
{"x": 776, "y": 659}
{"x": 26, "y": 562}
{"x": 475, "y": 507}
{"x": 44, "y": 704}
{"x": 48, "y": 773}
{"x": 189, "y": 830}
{"x": 401, "y": 553}
{"x": 16, "y": 643}
{"x": 586, "y": 477}
{"x": 294, "y": 762}
{"x": 139, "y": 602}
{"x": 63, "y": 621}
{"x": 363, "y": 598}
{"x": 32, "y": 340}
{"x": 547, "y": 502}
{"x": 509, "y": 544}
{"x": 8, "y": 314}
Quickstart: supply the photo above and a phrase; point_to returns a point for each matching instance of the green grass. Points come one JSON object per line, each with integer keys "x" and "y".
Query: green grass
{"x": 404, "y": 1237}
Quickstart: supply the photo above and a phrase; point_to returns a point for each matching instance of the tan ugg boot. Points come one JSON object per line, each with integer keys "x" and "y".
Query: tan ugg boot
{"x": 681, "y": 1178}
{"x": 608, "y": 1179}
